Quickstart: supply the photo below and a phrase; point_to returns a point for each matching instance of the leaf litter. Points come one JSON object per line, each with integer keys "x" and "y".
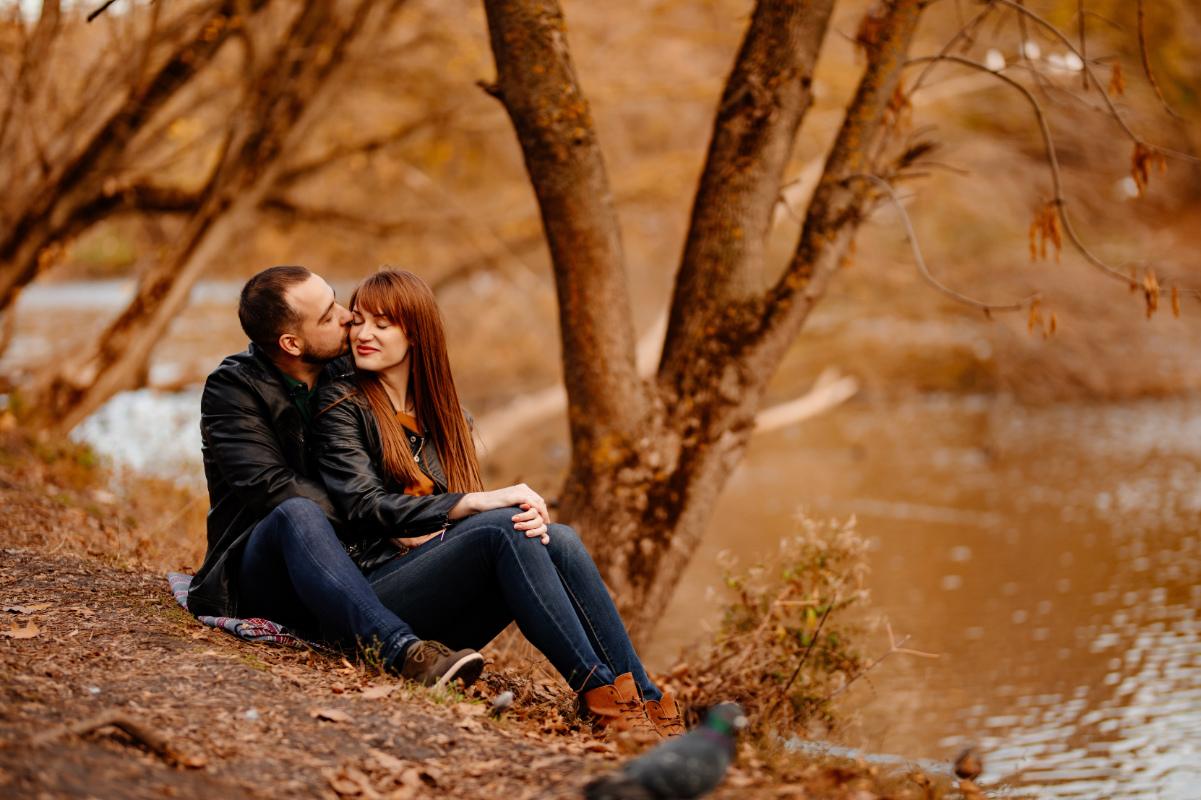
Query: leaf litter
{"x": 110, "y": 694}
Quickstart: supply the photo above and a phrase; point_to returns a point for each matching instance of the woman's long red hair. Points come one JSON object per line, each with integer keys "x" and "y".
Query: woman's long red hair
{"x": 405, "y": 299}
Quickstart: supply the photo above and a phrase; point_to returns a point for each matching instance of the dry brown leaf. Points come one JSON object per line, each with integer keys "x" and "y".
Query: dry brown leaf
{"x": 28, "y": 632}
{"x": 377, "y": 692}
{"x": 331, "y": 714}
{"x": 1175, "y": 302}
{"x": 470, "y": 709}
{"x": 26, "y": 609}
{"x": 389, "y": 762}
{"x": 1140, "y": 165}
{"x": 87, "y": 612}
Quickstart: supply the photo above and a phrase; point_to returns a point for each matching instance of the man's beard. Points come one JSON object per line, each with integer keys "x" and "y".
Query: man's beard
{"x": 314, "y": 356}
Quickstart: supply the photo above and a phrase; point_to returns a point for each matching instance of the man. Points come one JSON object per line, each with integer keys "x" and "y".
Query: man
{"x": 272, "y": 548}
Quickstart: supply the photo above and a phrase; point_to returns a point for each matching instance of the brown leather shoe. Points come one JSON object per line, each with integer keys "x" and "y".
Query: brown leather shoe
{"x": 666, "y": 715}
{"x": 618, "y": 707}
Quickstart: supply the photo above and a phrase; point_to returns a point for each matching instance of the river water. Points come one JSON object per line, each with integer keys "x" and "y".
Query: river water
{"x": 1049, "y": 555}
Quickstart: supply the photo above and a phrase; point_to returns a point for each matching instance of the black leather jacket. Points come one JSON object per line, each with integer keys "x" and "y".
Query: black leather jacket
{"x": 256, "y": 455}
{"x": 349, "y": 453}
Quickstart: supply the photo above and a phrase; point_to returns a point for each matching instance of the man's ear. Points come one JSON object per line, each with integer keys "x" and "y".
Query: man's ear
{"x": 289, "y": 343}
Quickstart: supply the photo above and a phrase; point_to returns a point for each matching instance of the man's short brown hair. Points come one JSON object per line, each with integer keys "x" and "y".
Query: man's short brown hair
{"x": 263, "y": 307}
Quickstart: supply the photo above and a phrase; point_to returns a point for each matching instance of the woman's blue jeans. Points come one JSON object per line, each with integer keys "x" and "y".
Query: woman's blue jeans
{"x": 294, "y": 571}
{"x": 463, "y": 589}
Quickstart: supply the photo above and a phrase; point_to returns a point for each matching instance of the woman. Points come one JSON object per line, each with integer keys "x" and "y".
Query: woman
{"x": 456, "y": 562}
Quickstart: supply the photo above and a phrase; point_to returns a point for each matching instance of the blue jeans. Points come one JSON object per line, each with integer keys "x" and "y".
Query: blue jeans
{"x": 463, "y": 589}
{"x": 294, "y": 571}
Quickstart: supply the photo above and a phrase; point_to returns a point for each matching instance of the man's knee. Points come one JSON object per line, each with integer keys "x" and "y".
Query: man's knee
{"x": 303, "y": 517}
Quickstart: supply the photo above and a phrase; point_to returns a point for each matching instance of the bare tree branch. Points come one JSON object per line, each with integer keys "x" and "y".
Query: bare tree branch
{"x": 1097, "y": 84}
{"x": 1052, "y": 160}
{"x": 1142, "y": 49}
{"x": 921, "y": 264}
{"x": 365, "y": 147}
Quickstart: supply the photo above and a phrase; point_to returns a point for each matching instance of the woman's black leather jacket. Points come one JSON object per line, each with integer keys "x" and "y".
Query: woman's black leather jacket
{"x": 349, "y": 456}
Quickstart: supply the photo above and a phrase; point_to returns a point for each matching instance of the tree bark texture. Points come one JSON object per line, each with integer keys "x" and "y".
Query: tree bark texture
{"x": 641, "y": 499}
{"x": 537, "y": 84}
{"x": 266, "y": 121}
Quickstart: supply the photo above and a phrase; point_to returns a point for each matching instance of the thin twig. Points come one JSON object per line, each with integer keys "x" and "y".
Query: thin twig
{"x": 895, "y": 647}
{"x": 804, "y": 657}
{"x": 1080, "y": 14}
{"x": 921, "y": 263}
{"x": 100, "y": 10}
{"x": 148, "y": 736}
{"x": 1142, "y": 49}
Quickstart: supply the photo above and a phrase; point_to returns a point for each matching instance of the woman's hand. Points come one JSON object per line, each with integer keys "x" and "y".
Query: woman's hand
{"x": 533, "y": 518}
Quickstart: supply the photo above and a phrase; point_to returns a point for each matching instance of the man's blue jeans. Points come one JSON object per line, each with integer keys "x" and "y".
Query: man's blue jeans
{"x": 294, "y": 571}
{"x": 463, "y": 589}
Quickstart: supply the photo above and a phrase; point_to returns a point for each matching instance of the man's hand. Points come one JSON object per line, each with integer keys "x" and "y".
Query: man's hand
{"x": 410, "y": 543}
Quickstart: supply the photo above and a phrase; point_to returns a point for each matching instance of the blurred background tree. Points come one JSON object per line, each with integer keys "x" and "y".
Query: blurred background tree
{"x": 220, "y": 138}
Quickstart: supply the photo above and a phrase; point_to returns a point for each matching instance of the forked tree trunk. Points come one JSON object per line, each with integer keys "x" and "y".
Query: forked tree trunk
{"x": 649, "y": 460}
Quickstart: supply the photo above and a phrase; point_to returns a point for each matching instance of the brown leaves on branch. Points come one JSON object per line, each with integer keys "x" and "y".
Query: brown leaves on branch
{"x": 1140, "y": 165}
{"x": 1151, "y": 292}
{"x": 1046, "y": 228}
{"x": 1048, "y": 323}
{"x": 1117, "y": 83}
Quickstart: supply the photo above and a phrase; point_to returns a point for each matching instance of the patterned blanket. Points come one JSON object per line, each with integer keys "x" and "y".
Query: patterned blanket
{"x": 252, "y": 630}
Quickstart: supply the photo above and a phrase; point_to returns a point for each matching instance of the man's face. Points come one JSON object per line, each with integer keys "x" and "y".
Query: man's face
{"x": 324, "y": 330}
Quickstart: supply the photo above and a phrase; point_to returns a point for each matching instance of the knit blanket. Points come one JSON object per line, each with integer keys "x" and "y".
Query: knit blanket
{"x": 253, "y": 629}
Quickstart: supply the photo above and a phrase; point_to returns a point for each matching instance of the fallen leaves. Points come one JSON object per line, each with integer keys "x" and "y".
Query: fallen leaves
{"x": 27, "y": 609}
{"x": 331, "y": 714}
{"x": 28, "y": 632}
{"x": 379, "y": 692}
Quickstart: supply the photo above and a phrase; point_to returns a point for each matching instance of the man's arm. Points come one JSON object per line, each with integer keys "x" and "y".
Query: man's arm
{"x": 246, "y": 448}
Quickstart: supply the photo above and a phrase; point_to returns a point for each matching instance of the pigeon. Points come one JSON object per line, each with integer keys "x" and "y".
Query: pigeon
{"x": 683, "y": 767}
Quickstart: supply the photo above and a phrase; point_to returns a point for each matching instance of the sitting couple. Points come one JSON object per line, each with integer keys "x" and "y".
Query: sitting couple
{"x": 346, "y": 503}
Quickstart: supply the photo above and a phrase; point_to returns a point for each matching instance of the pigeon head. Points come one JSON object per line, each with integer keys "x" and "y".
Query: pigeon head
{"x": 726, "y": 718}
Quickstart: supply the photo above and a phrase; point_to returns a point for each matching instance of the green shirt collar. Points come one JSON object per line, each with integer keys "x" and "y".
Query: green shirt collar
{"x": 302, "y": 395}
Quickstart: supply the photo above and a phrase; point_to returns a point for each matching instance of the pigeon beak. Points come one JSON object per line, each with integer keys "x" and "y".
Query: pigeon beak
{"x": 740, "y": 722}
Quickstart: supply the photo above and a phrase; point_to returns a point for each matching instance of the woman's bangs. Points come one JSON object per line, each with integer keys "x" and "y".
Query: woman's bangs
{"x": 372, "y": 296}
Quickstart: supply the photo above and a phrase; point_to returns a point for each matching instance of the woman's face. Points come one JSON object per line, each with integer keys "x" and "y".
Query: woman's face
{"x": 378, "y": 343}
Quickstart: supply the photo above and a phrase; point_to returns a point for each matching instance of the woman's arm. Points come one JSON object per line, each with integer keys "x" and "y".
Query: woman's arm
{"x": 372, "y": 511}
{"x": 533, "y": 518}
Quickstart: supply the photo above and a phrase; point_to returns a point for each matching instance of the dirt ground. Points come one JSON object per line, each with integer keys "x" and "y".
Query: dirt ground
{"x": 85, "y": 635}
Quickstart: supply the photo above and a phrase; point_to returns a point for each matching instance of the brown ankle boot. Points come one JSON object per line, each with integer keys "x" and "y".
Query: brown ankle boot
{"x": 618, "y": 707}
{"x": 666, "y": 715}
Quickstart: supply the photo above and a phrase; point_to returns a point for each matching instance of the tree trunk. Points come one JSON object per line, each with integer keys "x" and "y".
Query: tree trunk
{"x": 641, "y": 494}
{"x": 537, "y": 84}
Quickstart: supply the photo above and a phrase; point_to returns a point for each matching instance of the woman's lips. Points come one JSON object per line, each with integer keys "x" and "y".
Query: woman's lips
{"x": 363, "y": 350}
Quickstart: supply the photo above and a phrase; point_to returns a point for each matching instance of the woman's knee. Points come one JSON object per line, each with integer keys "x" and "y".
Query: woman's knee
{"x": 565, "y": 544}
